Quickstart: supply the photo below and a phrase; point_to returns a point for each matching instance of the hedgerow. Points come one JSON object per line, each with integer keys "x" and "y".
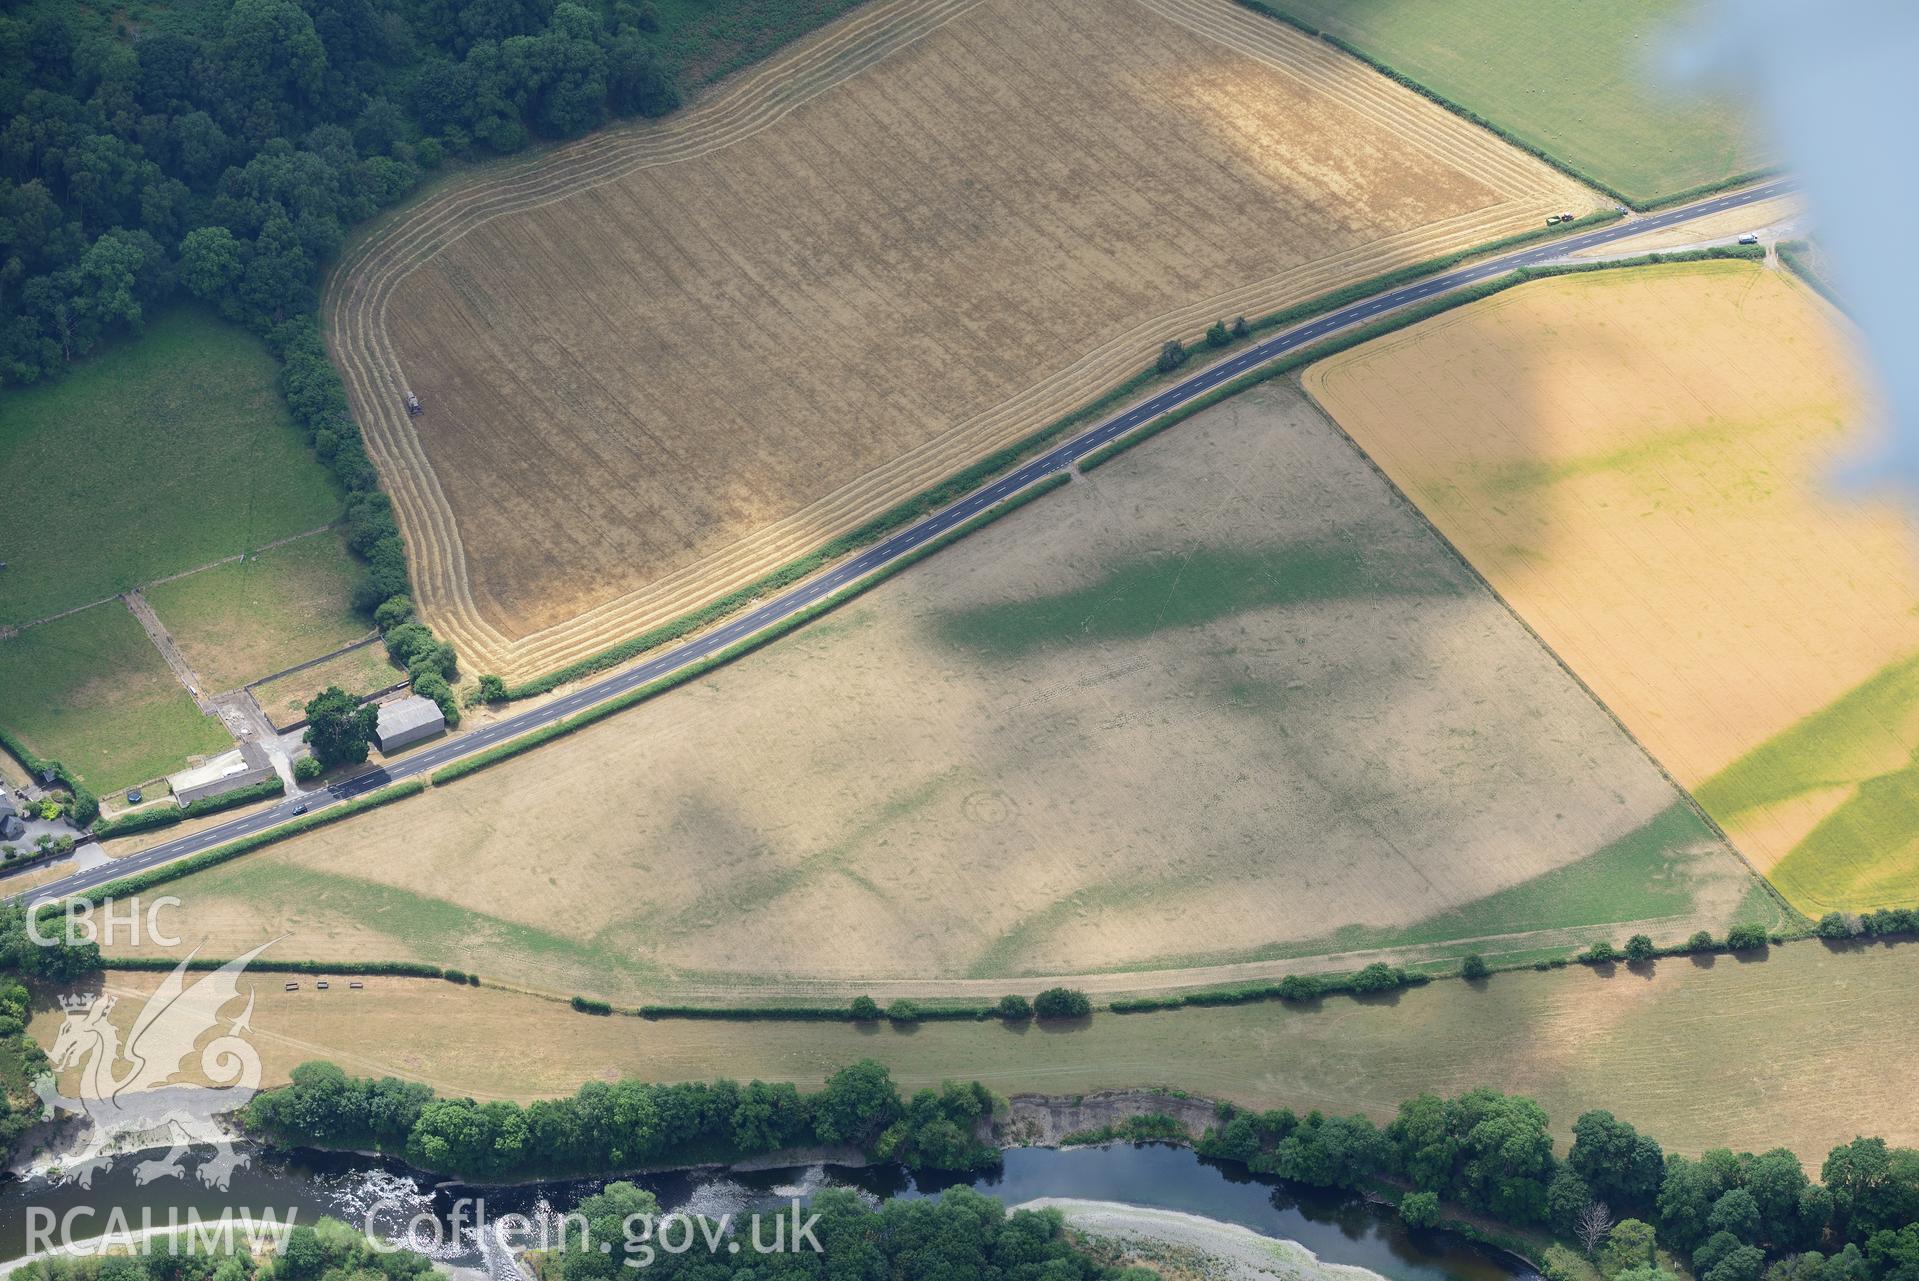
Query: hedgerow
{"x": 1389, "y": 324}
{"x": 270, "y": 965}
{"x": 260, "y": 791}
{"x": 579, "y": 720}
{"x": 147, "y": 820}
{"x": 86, "y": 806}
{"x": 1792, "y": 253}
{"x": 144, "y": 820}
{"x": 247, "y": 844}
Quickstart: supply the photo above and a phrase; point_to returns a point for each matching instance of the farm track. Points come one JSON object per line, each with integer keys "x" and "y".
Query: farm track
{"x": 368, "y": 278}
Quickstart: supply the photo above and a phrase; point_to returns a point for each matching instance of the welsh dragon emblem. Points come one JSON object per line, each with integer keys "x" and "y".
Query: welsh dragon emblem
{"x": 129, "y": 1094}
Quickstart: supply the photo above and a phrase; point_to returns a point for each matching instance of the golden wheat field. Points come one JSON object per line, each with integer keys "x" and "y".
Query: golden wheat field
{"x": 666, "y": 359}
{"x": 1689, "y": 1051}
{"x": 1221, "y": 703}
{"x": 1641, "y": 462}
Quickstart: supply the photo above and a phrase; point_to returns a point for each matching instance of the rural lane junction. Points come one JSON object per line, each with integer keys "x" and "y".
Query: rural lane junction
{"x": 1057, "y": 459}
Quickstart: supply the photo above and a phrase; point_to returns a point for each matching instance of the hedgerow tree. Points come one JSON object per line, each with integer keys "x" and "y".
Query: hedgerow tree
{"x": 338, "y": 728}
{"x": 1062, "y": 1003}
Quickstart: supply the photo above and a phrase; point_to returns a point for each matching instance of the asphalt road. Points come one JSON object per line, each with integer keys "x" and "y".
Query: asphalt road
{"x": 1059, "y": 458}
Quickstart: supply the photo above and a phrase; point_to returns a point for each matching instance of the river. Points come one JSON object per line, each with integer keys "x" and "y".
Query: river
{"x": 1339, "y": 1228}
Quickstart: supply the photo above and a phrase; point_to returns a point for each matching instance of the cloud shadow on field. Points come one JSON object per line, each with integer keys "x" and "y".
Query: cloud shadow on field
{"x": 1144, "y": 595}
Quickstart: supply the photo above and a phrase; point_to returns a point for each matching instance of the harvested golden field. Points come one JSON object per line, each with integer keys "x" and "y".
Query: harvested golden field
{"x": 1639, "y": 462}
{"x": 1691, "y": 1051}
{"x": 1224, "y": 702}
{"x": 664, "y": 360}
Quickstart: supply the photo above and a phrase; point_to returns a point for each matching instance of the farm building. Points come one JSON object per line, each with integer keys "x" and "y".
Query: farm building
{"x": 406, "y": 721}
{"x": 11, "y": 828}
{"x": 224, "y": 773}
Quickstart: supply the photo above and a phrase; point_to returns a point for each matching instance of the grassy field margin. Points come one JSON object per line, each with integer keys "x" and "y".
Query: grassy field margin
{"x": 1504, "y": 134}
{"x": 1793, "y": 254}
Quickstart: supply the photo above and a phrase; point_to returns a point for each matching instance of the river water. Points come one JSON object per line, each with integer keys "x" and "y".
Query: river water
{"x": 1338, "y": 1228}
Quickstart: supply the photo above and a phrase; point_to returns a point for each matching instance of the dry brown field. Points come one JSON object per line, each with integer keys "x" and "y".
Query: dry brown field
{"x": 1225, "y": 701}
{"x": 663, "y": 360}
{"x": 1691, "y": 1053}
{"x": 1641, "y": 463}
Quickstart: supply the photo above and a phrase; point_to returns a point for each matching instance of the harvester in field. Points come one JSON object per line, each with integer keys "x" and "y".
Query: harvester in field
{"x": 413, "y": 409}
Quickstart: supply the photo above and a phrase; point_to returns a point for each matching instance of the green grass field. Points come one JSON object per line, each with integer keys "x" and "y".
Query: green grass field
{"x": 91, "y": 691}
{"x": 708, "y": 39}
{"x": 248, "y": 619}
{"x": 157, "y": 456}
{"x": 1865, "y": 853}
{"x": 1567, "y": 77}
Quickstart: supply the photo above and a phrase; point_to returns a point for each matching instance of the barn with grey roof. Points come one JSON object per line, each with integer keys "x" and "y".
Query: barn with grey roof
{"x": 406, "y": 721}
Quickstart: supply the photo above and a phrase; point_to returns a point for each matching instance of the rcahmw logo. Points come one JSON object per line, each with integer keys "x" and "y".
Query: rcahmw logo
{"x": 83, "y": 1231}
{"x": 128, "y": 1090}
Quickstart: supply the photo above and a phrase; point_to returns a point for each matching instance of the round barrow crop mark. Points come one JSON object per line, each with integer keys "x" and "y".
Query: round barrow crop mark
{"x": 988, "y": 809}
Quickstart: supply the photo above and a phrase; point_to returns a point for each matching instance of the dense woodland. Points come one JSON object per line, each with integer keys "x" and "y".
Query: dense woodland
{"x": 1617, "y": 1194}
{"x": 226, "y": 164}
{"x": 606, "y": 1128}
{"x": 328, "y": 1250}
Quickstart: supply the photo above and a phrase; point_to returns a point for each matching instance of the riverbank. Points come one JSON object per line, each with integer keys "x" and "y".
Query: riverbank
{"x": 1339, "y": 1227}
{"x": 1189, "y": 1245}
{"x": 1025, "y": 1121}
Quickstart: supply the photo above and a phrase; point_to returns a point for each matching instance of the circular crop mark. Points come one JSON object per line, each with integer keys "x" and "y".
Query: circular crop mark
{"x": 988, "y": 809}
